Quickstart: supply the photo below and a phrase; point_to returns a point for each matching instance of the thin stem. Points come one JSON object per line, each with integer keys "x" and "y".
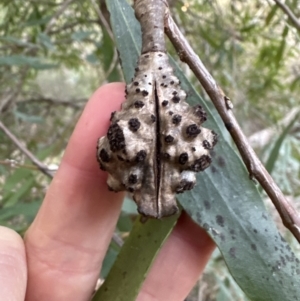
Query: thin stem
{"x": 40, "y": 165}
{"x": 289, "y": 215}
{"x": 289, "y": 13}
{"x": 151, "y": 14}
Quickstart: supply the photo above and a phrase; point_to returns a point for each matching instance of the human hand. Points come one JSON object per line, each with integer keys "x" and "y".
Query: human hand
{"x": 67, "y": 242}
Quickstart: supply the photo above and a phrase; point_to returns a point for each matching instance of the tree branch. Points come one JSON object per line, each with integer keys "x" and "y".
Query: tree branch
{"x": 289, "y": 13}
{"x": 60, "y": 11}
{"x": 288, "y": 214}
{"x": 41, "y": 166}
{"x": 68, "y": 103}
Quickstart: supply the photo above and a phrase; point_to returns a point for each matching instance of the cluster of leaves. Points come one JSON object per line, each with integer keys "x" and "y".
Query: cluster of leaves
{"x": 53, "y": 54}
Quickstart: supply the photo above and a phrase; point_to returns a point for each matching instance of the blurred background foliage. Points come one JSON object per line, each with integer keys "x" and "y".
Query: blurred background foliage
{"x": 54, "y": 54}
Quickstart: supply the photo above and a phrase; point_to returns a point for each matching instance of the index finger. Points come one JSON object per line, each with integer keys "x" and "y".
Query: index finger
{"x": 69, "y": 237}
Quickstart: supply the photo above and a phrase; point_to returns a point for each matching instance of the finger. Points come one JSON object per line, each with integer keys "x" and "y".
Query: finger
{"x": 179, "y": 264}
{"x": 69, "y": 237}
{"x": 13, "y": 272}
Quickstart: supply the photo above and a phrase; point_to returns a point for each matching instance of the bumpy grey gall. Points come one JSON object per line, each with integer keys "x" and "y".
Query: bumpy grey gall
{"x": 155, "y": 145}
{"x": 147, "y": 150}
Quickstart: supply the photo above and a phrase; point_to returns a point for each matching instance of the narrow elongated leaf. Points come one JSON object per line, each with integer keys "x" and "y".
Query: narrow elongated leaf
{"x": 225, "y": 202}
{"x": 22, "y": 60}
{"x": 133, "y": 262}
{"x": 127, "y": 33}
{"x": 275, "y": 150}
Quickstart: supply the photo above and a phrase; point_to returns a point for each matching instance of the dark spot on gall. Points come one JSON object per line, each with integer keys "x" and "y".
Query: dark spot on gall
{"x": 130, "y": 189}
{"x": 137, "y": 69}
{"x": 165, "y": 86}
{"x": 170, "y": 113}
{"x": 193, "y": 149}
{"x": 137, "y": 90}
{"x": 220, "y": 220}
{"x": 138, "y": 104}
{"x": 184, "y": 185}
{"x": 147, "y": 55}
{"x": 176, "y": 119}
{"x": 164, "y": 103}
{"x": 160, "y": 55}
{"x": 134, "y": 124}
{"x": 145, "y": 75}
{"x": 206, "y": 144}
{"x": 163, "y": 76}
{"x": 153, "y": 118}
{"x": 200, "y": 112}
{"x": 132, "y": 179}
{"x": 136, "y": 83}
{"x": 200, "y": 164}
{"x": 115, "y": 137}
{"x": 162, "y": 84}
{"x": 172, "y": 82}
{"x": 174, "y": 92}
{"x": 145, "y": 93}
{"x": 192, "y": 131}
{"x": 120, "y": 158}
{"x": 169, "y": 139}
{"x": 176, "y": 99}
{"x": 159, "y": 68}
{"x": 215, "y": 138}
{"x": 183, "y": 158}
{"x": 166, "y": 156}
{"x": 112, "y": 115}
{"x": 140, "y": 156}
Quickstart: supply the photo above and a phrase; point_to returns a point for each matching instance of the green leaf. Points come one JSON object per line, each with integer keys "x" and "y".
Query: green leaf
{"x": 17, "y": 195}
{"x": 46, "y": 41}
{"x": 271, "y": 15}
{"x": 29, "y": 210}
{"x": 28, "y": 118}
{"x": 127, "y": 33}
{"x": 36, "y": 20}
{"x": 133, "y": 262}
{"x": 81, "y": 35}
{"x": 22, "y": 60}
{"x": 275, "y": 151}
{"x": 16, "y": 41}
{"x": 225, "y": 203}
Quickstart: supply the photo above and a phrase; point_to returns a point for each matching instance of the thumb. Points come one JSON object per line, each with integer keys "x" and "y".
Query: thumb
{"x": 13, "y": 270}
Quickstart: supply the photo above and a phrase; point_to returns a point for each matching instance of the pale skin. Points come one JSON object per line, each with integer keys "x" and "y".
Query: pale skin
{"x": 61, "y": 255}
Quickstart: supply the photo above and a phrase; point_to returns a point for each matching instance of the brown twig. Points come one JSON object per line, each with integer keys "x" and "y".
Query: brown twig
{"x": 14, "y": 164}
{"x": 68, "y": 103}
{"x": 289, "y": 215}
{"x": 289, "y": 13}
{"x": 54, "y": 18}
{"x": 40, "y": 165}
